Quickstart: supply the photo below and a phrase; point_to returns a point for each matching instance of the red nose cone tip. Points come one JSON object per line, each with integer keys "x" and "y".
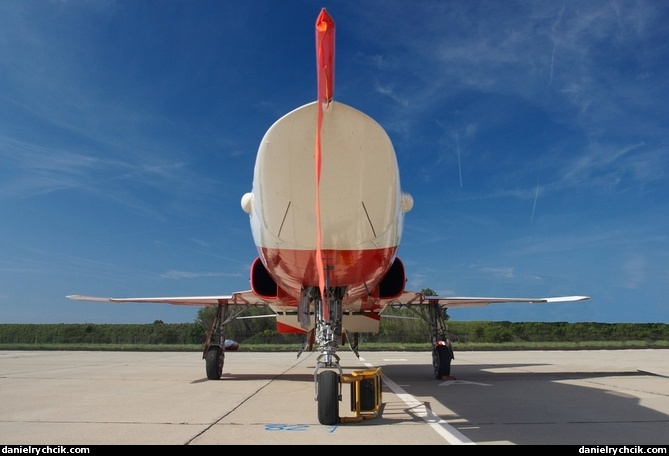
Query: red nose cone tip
{"x": 324, "y": 21}
{"x": 325, "y": 37}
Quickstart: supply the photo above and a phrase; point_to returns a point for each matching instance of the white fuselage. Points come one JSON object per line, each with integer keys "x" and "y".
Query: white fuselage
{"x": 361, "y": 205}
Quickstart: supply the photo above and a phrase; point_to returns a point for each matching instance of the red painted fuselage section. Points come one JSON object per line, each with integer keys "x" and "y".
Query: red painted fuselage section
{"x": 360, "y": 271}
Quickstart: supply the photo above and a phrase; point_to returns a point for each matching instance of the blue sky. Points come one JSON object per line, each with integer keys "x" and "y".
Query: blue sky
{"x": 532, "y": 136}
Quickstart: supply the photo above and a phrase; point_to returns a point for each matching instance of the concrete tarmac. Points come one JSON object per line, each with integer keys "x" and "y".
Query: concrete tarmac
{"x": 599, "y": 397}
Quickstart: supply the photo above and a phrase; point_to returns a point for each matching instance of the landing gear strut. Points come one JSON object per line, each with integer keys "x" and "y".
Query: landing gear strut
{"x": 214, "y": 346}
{"x": 442, "y": 350}
{"x": 328, "y": 331}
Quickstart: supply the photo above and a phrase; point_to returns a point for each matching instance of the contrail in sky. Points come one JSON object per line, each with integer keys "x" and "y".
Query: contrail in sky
{"x": 536, "y": 197}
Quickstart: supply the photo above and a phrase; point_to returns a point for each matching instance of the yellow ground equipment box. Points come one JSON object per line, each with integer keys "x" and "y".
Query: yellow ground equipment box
{"x": 365, "y": 394}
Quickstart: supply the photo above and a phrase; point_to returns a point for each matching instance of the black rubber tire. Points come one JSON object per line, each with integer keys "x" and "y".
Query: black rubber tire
{"x": 214, "y": 363}
{"x": 441, "y": 360}
{"x": 328, "y": 397}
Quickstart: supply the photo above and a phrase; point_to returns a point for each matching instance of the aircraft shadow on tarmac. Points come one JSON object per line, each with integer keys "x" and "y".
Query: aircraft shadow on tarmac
{"x": 529, "y": 408}
{"x": 513, "y": 403}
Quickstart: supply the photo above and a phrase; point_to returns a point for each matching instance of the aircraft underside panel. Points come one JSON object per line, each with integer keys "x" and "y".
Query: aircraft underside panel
{"x": 360, "y": 323}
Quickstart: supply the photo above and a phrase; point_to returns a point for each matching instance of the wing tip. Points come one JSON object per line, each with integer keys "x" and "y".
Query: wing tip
{"x": 568, "y": 298}
{"x": 87, "y": 298}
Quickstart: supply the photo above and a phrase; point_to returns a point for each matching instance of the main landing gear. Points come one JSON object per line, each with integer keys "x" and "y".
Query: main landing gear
{"x": 214, "y": 346}
{"x": 442, "y": 349}
{"x": 327, "y": 334}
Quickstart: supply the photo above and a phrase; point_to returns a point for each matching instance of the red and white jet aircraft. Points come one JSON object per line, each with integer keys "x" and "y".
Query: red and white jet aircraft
{"x": 326, "y": 211}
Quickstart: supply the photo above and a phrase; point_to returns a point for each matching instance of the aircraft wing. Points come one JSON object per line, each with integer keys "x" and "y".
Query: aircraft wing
{"x": 409, "y": 298}
{"x": 238, "y": 298}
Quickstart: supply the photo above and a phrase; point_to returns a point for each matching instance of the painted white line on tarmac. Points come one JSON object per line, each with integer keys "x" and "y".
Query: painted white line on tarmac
{"x": 441, "y": 427}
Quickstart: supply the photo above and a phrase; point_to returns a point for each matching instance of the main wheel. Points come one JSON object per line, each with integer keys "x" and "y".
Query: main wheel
{"x": 441, "y": 360}
{"x": 214, "y": 363}
{"x": 328, "y": 397}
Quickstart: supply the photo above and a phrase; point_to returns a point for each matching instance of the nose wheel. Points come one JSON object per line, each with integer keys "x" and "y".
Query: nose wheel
{"x": 327, "y": 396}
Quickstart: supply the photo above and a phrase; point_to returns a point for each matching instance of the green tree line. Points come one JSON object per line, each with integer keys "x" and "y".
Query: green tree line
{"x": 393, "y": 330}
